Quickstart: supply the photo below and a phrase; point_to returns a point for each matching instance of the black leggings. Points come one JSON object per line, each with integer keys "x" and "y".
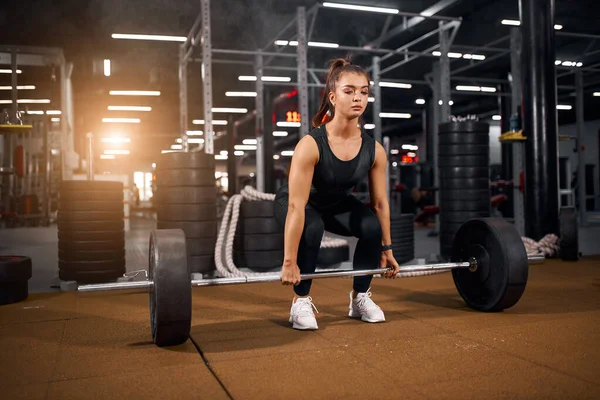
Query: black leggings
{"x": 349, "y": 217}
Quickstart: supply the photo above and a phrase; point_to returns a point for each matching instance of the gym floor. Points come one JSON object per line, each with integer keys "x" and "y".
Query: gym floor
{"x": 64, "y": 345}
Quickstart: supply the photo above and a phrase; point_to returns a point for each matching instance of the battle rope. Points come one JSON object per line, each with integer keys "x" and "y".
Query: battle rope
{"x": 548, "y": 246}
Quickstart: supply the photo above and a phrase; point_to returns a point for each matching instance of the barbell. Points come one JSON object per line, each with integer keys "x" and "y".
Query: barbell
{"x": 489, "y": 266}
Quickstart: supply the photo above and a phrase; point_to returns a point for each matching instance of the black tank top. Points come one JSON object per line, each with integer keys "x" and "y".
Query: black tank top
{"x": 334, "y": 178}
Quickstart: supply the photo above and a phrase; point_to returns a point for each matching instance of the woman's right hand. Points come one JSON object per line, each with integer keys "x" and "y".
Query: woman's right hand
{"x": 290, "y": 275}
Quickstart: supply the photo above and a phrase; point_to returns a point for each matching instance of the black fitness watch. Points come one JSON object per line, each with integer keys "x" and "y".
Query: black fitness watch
{"x": 386, "y": 247}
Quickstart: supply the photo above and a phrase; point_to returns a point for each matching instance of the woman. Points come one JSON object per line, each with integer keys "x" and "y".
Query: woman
{"x": 327, "y": 163}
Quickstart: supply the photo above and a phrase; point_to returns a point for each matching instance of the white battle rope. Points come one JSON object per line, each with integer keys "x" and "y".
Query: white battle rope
{"x": 548, "y": 246}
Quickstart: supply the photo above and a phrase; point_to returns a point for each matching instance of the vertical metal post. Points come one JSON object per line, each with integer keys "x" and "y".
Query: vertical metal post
{"x": 518, "y": 149}
{"x": 67, "y": 123}
{"x": 444, "y": 74}
{"x": 209, "y": 145}
{"x": 302, "y": 51}
{"x": 438, "y": 118}
{"x": 260, "y": 125}
{"x": 183, "y": 98}
{"x": 90, "y": 138}
{"x": 231, "y": 159}
{"x": 14, "y": 90}
{"x": 579, "y": 104}
{"x": 376, "y": 76}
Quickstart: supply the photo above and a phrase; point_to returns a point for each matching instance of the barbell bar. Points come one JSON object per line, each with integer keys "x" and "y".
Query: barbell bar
{"x": 489, "y": 267}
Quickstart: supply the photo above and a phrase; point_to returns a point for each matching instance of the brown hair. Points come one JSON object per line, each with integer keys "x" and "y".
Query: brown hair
{"x": 338, "y": 66}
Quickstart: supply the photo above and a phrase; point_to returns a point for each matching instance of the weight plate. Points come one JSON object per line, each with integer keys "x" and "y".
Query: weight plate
{"x": 71, "y": 205}
{"x": 195, "y": 160}
{"x": 13, "y": 292}
{"x": 463, "y": 138}
{"x": 201, "y": 247}
{"x": 569, "y": 234}
{"x": 192, "y": 230}
{"x": 93, "y": 276}
{"x": 464, "y": 126}
{"x": 463, "y": 194}
{"x": 454, "y": 150}
{"x": 80, "y": 216}
{"x": 104, "y": 255}
{"x": 258, "y": 260}
{"x": 92, "y": 195}
{"x": 257, "y": 209}
{"x": 258, "y": 242}
{"x": 465, "y": 205}
{"x": 202, "y": 264}
{"x": 171, "y": 293}
{"x": 258, "y": 226}
{"x": 91, "y": 186}
{"x": 64, "y": 235}
{"x": 464, "y": 183}
{"x": 89, "y": 266}
{"x": 185, "y": 177}
{"x": 333, "y": 255}
{"x": 186, "y": 195}
{"x": 464, "y": 161}
{"x": 92, "y": 245}
{"x": 502, "y": 266}
{"x": 91, "y": 226}
{"x": 464, "y": 172}
{"x": 14, "y": 268}
{"x": 186, "y": 212}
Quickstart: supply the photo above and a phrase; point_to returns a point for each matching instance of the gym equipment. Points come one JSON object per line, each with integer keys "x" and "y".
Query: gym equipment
{"x": 489, "y": 266}
{"x": 15, "y": 271}
{"x": 569, "y": 234}
{"x": 402, "y": 231}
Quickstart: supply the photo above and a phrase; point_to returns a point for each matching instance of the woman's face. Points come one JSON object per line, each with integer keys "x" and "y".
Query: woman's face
{"x": 351, "y": 95}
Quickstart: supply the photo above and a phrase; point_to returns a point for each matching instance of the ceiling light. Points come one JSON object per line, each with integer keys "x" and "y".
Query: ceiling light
{"x": 280, "y": 133}
{"x": 564, "y": 107}
{"x": 310, "y": 44}
{"x": 119, "y": 152}
{"x": 24, "y": 87}
{"x": 215, "y": 122}
{"x": 9, "y": 71}
{"x": 26, "y": 101}
{"x": 250, "y": 141}
{"x": 249, "y": 78}
{"x": 134, "y": 93}
{"x": 410, "y": 147}
{"x": 395, "y": 85}
{"x": 122, "y": 120}
{"x": 289, "y": 124}
{"x": 369, "y": 126}
{"x": 436, "y": 53}
{"x": 244, "y": 147}
{"x": 238, "y": 153}
{"x": 468, "y": 88}
{"x": 194, "y": 133}
{"x": 511, "y": 22}
{"x": 558, "y": 27}
{"x": 240, "y": 94}
{"x": 420, "y": 101}
{"x": 53, "y": 112}
{"x": 287, "y": 153}
{"x": 106, "y": 67}
{"x": 160, "y": 38}
{"x": 129, "y": 108}
{"x": 371, "y": 99}
{"x": 230, "y": 110}
{"x": 596, "y": 94}
{"x": 223, "y": 152}
{"x": 176, "y": 147}
{"x": 107, "y": 157}
{"x": 275, "y": 156}
{"x": 496, "y": 117}
{"x": 394, "y": 151}
{"x": 394, "y": 115}
{"x": 195, "y": 140}
{"x": 361, "y": 8}
{"x": 55, "y": 119}
{"x": 454, "y": 55}
{"x": 220, "y": 157}
{"x": 179, "y": 140}
{"x": 36, "y": 112}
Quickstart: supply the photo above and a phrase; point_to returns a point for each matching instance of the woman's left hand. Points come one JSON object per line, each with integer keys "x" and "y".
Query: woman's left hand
{"x": 388, "y": 261}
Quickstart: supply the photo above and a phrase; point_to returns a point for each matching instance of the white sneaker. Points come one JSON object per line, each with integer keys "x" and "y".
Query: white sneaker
{"x": 301, "y": 314}
{"x": 365, "y": 308}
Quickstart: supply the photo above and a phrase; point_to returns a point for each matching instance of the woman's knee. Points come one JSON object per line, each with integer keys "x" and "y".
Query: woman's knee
{"x": 370, "y": 227}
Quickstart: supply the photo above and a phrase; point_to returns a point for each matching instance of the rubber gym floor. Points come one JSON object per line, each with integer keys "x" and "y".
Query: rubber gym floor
{"x": 65, "y": 345}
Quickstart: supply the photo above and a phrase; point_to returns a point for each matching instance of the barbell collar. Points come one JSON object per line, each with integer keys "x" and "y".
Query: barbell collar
{"x": 535, "y": 259}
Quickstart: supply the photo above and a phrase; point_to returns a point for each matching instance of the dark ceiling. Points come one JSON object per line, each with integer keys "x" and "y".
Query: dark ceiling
{"x": 83, "y": 29}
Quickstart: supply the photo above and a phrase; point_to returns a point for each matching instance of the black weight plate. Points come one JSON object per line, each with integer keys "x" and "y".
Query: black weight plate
{"x": 456, "y": 150}
{"x": 195, "y": 160}
{"x": 92, "y": 276}
{"x": 464, "y": 172}
{"x": 449, "y": 226}
{"x": 333, "y": 255}
{"x": 185, "y": 177}
{"x": 402, "y": 236}
{"x": 81, "y": 216}
{"x": 171, "y": 293}
{"x": 192, "y": 230}
{"x": 106, "y": 255}
{"x": 90, "y": 226}
{"x": 92, "y": 245}
{"x": 258, "y": 242}
{"x": 464, "y": 183}
{"x": 90, "y": 205}
{"x": 258, "y": 226}
{"x": 463, "y": 216}
{"x": 258, "y": 260}
{"x": 463, "y": 138}
{"x": 464, "y": 161}
{"x": 64, "y": 235}
{"x": 14, "y": 268}
{"x": 465, "y": 205}
{"x": 569, "y": 234}
{"x": 187, "y": 195}
{"x": 186, "y": 212}
{"x": 91, "y": 186}
{"x": 91, "y": 195}
{"x": 464, "y": 126}
{"x": 464, "y": 194}
{"x": 202, "y": 264}
{"x": 201, "y": 247}
{"x": 502, "y": 266}
{"x": 256, "y": 209}
{"x": 13, "y": 292}
{"x": 395, "y": 217}
{"x": 102, "y": 265}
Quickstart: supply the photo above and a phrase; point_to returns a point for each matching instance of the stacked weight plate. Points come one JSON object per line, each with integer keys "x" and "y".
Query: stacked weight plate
{"x": 186, "y": 199}
{"x": 91, "y": 235}
{"x": 402, "y": 230}
{"x": 463, "y": 161}
{"x": 258, "y": 241}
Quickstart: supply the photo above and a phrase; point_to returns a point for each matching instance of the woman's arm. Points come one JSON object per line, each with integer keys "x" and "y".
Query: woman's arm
{"x": 377, "y": 189}
{"x": 306, "y": 155}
